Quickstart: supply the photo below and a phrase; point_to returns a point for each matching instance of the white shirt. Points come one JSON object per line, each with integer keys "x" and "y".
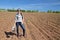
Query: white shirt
{"x": 18, "y": 18}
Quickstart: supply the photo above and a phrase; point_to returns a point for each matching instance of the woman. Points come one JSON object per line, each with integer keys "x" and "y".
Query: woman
{"x": 19, "y": 22}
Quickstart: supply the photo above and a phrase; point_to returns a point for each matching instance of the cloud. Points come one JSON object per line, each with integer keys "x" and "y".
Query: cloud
{"x": 41, "y": 6}
{"x": 45, "y": 4}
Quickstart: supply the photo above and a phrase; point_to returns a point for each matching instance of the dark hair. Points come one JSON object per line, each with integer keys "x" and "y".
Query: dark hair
{"x": 18, "y": 9}
{"x": 21, "y": 14}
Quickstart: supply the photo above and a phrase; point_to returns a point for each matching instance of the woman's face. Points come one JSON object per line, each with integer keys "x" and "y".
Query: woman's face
{"x": 18, "y": 10}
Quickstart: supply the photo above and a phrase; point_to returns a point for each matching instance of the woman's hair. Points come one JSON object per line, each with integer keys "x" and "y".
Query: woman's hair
{"x": 18, "y": 9}
{"x": 21, "y": 14}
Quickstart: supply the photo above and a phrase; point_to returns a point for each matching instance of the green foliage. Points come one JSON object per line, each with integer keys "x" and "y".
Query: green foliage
{"x": 2, "y": 10}
{"x": 23, "y": 10}
{"x": 14, "y": 10}
{"x": 32, "y": 11}
{"x": 28, "y": 11}
{"x": 56, "y": 11}
{"x": 50, "y": 11}
{"x": 11, "y": 10}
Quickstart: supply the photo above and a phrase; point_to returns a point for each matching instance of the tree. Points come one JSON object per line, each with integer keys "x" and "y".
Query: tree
{"x": 49, "y": 11}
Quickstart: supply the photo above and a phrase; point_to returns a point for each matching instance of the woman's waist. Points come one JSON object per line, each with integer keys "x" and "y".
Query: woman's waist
{"x": 18, "y": 20}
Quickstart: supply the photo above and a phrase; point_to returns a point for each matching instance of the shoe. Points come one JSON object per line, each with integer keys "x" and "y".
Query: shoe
{"x": 24, "y": 35}
{"x": 17, "y": 35}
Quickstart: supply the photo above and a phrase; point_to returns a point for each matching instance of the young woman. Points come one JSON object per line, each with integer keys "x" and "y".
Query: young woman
{"x": 19, "y": 22}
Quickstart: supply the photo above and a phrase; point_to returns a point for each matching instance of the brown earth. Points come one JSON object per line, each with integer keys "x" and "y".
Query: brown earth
{"x": 39, "y": 26}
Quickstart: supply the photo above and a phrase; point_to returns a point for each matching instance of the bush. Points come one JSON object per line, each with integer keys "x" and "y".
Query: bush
{"x": 28, "y": 10}
{"x": 11, "y": 10}
{"x": 50, "y": 11}
{"x": 23, "y": 10}
{"x": 14, "y": 10}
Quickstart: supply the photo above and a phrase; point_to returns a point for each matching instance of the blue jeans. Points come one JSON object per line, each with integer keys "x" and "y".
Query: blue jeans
{"x": 22, "y": 26}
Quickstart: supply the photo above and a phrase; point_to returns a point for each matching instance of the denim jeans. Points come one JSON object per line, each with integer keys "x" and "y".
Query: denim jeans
{"x": 17, "y": 28}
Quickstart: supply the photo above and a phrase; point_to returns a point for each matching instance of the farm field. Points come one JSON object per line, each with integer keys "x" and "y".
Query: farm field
{"x": 39, "y": 26}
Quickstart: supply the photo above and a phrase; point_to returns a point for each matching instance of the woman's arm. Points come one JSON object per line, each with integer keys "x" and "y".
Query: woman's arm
{"x": 22, "y": 18}
{"x": 15, "y": 18}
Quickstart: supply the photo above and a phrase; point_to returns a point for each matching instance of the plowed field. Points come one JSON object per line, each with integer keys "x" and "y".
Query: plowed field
{"x": 39, "y": 26}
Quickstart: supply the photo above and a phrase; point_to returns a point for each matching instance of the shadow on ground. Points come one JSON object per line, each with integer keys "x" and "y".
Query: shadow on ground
{"x": 8, "y": 34}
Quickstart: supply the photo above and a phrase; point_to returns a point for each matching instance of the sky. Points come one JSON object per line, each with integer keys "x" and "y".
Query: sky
{"x": 41, "y": 5}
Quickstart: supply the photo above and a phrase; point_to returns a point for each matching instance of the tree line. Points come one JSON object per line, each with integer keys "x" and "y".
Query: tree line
{"x": 50, "y": 11}
{"x": 14, "y": 10}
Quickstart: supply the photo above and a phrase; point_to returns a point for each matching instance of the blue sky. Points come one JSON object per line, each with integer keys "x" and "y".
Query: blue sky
{"x": 42, "y": 5}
